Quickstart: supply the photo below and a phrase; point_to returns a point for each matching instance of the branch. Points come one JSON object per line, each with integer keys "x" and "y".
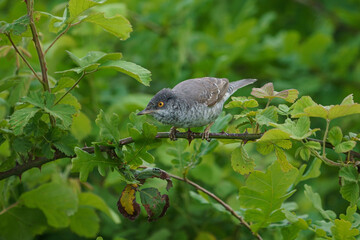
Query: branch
{"x": 216, "y": 198}
{"x": 39, "y": 161}
{"x": 73, "y": 86}
{"x": 24, "y": 59}
{"x": 30, "y": 10}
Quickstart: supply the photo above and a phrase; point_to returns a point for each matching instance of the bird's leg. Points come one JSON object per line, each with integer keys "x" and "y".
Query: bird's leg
{"x": 172, "y": 134}
{"x": 190, "y": 135}
{"x": 206, "y": 133}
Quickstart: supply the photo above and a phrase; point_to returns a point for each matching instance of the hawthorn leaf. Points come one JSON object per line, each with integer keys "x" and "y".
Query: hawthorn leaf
{"x": 109, "y": 127}
{"x": 350, "y": 191}
{"x": 313, "y": 145}
{"x": 21, "y": 118}
{"x": 335, "y": 135}
{"x": 34, "y": 98}
{"x": 154, "y": 203}
{"x": 57, "y": 201}
{"x": 349, "y": 173}
{"x": 241, "y": 162}
{"x": 345, "y": 146}
{"x": 62, "y": 112}
{"x": 116, "y": 25}
{"x": 135, "y": 71}
{"x": 265, "y": 193}
{"x": 127, "y": 204}
{"x": 297, "y": 130}
{"x": 342, "y": 230}
{"x": 242, "y": 102}
{"x": 84, "y": 163}
{"x": 281, "y": 157}
{"x": 271, "y": 138}
{"x": 85, "y": 222}
{"x": 66, "y": 144}
{"x": 267, "y": 116}
{"x": 297, "y": 109}
{"x": 316, "y": 201}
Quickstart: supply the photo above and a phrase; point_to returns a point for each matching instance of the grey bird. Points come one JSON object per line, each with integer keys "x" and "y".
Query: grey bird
{"x": 193, "y": 103}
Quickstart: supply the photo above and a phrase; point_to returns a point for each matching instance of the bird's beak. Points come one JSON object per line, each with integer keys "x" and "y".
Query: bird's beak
{"x": 145, "y": 111}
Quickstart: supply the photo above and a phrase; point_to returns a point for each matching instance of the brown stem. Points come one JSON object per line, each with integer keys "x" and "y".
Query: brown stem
{"x": 23, "y": 58}
{"x": 9, "y": 207}
{"x": 216, "y": 198}
{"x": 73, "y": 86}
{"x": 30, "y": 10}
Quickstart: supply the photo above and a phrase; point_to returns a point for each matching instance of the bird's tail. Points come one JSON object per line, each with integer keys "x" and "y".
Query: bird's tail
{"x": 233, "y": 86}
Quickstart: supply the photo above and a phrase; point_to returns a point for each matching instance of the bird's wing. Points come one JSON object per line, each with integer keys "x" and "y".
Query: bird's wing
{"x": 206, "y": 90}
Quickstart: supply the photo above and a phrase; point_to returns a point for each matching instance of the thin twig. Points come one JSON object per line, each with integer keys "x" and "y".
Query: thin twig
{"x": 30, "y": 10}
{"x": 73, "y": 86}
{"x": 9, "y": 207}
{"x": 216, "y": 198}
{"x": 24, "y": 59}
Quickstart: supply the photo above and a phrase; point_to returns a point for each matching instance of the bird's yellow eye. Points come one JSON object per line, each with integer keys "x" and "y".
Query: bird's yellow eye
{"x": 160, "y": 104}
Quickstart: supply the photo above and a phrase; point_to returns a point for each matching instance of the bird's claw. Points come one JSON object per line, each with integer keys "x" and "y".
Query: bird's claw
{"x": 190, "y": 136}
{"x": 172, "y": 134}
{"x": 206, "y": 135}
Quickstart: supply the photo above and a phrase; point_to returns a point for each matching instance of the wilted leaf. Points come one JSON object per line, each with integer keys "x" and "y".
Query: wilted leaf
{"x": 241, "y": 162}
{"x": 127, "y": 204}
{"x": 155, "y": 204}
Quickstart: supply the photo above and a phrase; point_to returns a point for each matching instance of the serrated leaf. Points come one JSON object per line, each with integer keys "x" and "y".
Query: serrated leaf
{"x": 348, "y": 100}
{"x": 66, "y": 144}
{"x": 109, "y": 128}
{"x": 116, "y": 25}
{"x": 297, "y": 130}
{"x": 69, "y": 99}
{"x": 342, "y": 230}
{"x": 127, "y": 204}
{"x": 84, "y": 162}
{"x": 242, "y": 102}
{"x": 350, "y": 191}
{"x": 62, "y": 112}
{"x": 34, "y": 98}
{"x": 345, "y": 146}
{"x": 313, "y": 145}
{"x": 267, "y": 116}
{"x": 78, "y": 70}
{"x": 241, "y": 162}
{"x": 267, "y": 198}
{"x": 316, "y": 201}
{"x": 154, "y": 172}
{"x": 21, "y": 145}
{"x": 313, "y": 170}
{"x": 92, "y": 200}
{"x": 21, "y": 118}
{"x": 64, "y": 82}
{"x": 271, "y": 138}
{"x": 57, "y": 201}
{"x": 333, "y": 111}
{"x": 281, "y": 157}
{"x": 349, "y": 173}
{"x": 154, "y": 203}
{"x": 17, "y": 27}
{"x": 135, "y": 71}
{"x": 299, "y": 106}
{"x": 85, "y": 222}
{"x": 77, "y": 7}
{"x": 335, "y": 135}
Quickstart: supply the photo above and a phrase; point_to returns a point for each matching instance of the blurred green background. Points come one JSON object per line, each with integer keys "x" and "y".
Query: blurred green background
{"x": 312, "y": 46}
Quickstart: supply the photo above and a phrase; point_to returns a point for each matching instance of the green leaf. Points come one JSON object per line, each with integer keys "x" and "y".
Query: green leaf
{"x": 64, "y": 82}
{"x": 349, "y": 173}
{"x": 348, "y": 100}
{"x": 84, "y": 163}
{"x": 85, "y": 222}
{"x": 316, "y": 201}
{"x": 335, "y": 135}
{"x": 109, "y": 128}
{"x": 154, "y": 203}
{"x": 81, "y": 126}
{"x": 345, "y": 146}
{"x": 333, "y": 111}
{"x": 242, "y": 102}
{"x": 22, "y": 145}
{"x": 77, "y": 7}
{"x": 141, "y": 74}
{"x": 313, "y": 145}
{"x": 57, "y": 201}
{"x": 265, "y": 193}
{"x": 267, "y": 91}
{"x": 267, "y": 116}
{"x": 18, "y": 27}
{"x": 299, "y": 106}
{"x": 21, "y": 118}
{"x": 92, "y": 200}
{"x": 350, "y": 211}
{"x": 313, "y": 170}
{"x": 66, "y": 144}
{"x": 297, "y": 130}
{"x": 116, "y": 25}
{"x": 241, "y": 162}
{"x": 271, "y": 138}
{"x": 62, "y": 112}
{"x": 22, "y": 223}
{"x": 94, "y": 57}
{"x": 350, "y": 192}
{"x": 342, "y": 230}
{"x": 281, "y": 157}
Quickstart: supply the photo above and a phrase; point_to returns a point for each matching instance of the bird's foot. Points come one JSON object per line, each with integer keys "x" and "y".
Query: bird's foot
{"x": 190, "y": 136}
{"x": 206, "y": 133}
{"x": 172, "y": 134}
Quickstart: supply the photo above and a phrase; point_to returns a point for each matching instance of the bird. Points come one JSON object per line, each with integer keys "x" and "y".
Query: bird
{"x": 192, "y": 103}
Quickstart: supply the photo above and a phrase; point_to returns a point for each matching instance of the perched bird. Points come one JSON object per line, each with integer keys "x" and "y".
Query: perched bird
{"x": 193, "y": 103}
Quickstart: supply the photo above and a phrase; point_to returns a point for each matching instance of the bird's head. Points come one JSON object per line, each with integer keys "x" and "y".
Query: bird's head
{"x": 160, "y": 104}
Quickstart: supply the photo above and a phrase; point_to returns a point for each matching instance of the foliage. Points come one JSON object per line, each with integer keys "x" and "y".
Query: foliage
{"x": 70, "y": 87}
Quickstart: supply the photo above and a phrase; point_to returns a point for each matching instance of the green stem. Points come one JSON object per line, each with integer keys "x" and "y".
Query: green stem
{"x": 325, "y": 137}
